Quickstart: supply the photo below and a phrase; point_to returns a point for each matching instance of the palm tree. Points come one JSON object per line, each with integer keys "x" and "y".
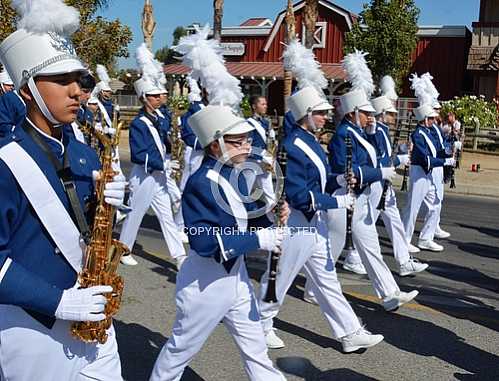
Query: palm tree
{"x": 218, "y": 12}
{"x": 310, "y": 18}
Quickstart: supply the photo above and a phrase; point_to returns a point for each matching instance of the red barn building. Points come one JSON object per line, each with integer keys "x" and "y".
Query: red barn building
{"x": 253, "y": 51}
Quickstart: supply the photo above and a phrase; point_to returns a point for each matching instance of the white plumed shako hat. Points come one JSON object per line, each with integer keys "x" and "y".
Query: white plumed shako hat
{"x": 306, "y": 101}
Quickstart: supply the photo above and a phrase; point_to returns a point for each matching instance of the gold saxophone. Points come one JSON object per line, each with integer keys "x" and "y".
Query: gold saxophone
{"x": 178, "y": 146}
{"x": 103, "y": 253}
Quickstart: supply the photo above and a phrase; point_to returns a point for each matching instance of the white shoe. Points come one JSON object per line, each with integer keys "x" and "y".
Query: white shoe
{"x": 412, "y": 249}
{"x": 360, "y": 339}
{"x": 429, "y": 245}
{"x": 412, "y": 266}
{"x": 180, "y": 261}
{"x": 441, "y": 234}
{"x": 184, "y": 237}
{"x": 129, "y": 260}
{"x": 357, "y": 268}
{"x": 310, "y": 299}
{"x": 273, "y": 341}
{"x": 398, "y": 299}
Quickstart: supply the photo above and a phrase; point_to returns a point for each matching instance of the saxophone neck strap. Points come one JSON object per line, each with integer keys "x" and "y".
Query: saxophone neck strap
{"x": 66, "y": 176}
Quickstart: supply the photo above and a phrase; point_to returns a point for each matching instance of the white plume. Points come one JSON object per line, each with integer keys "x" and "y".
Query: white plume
{"x": 102, "y": 73}
{"x": 387, "y": 86}
{"x": 44, "y": 16}
{"x": 358, "y": 73}
{"x": 195, "y": 91}
{"x": 205, "y": 59}
{"x": 430, "y": 87}
{"x": 419, "y": 87}
{"x": 150, "y": 67}
{"x": 305, "y": 68}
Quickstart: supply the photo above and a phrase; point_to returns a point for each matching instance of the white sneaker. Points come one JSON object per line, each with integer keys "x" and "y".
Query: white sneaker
{"x": 398, "y": 299}
{"x": 357, "y": 268}
{"x": 412, "y": 249}
{"x": 429, "y": 245}
{"x": 310, "y": 299}
{"x": 180, "y": 261}
{"x": 360, "y": 339}
{"x": 184, "y": 237}
{"x": 273, "y": 341}
{"x": 441, "y": 234}
{"x": 412, "y": 266}
{"x": 129, "y": 260}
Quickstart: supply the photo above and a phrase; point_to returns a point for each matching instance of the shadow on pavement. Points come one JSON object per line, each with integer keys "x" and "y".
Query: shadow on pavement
{"x": 463, "y": 274}
{"x": 164, "y": 268}
{"x": 302, "y": 367}
{"x": 427, "y": 339}
{"x": 479, "y": 249}
{"x": 482, "y": 229}
{"x": 139, "y": 347}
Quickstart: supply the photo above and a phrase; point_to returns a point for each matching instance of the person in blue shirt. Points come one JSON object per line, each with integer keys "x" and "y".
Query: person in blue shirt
{"x": 357, "y": 120}
{"x": 41, "y": 249}
{"x": 223, "y": 226}
{"x": 150, "y": 153}
{"x": 308, "y": 184}
{"x": 428, "y": 156}
{"x": 12, "y": 106}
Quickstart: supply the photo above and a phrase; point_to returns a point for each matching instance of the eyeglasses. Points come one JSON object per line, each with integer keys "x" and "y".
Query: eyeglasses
{"x": 239, "y": 143}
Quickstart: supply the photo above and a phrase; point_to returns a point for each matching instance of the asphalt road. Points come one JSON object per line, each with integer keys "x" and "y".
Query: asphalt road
{"x": 451, "y": 332}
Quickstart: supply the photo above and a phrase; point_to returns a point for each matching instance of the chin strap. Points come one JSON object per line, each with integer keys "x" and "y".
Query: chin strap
{"x": 225, "y": 154}
{"x": 41, "y": 103}
{"x": 357, "y": 118}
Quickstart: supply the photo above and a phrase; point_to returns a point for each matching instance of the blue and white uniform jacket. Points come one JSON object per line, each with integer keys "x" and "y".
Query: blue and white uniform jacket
{"x": 259, "y": 134}
{"x": 188, "y": 136}
{"x": 85, "y": 116}
{"x": 149, "y": 142}
{"x": 222, "y": 233}
{"x": 427, "y": 151}
{"x": 33, "y": 272}
{"x": 381, "y": 141}
{"x": 12, "y": 112}
{"x": 309, "y": 180}
{"x": 364, "y": 156}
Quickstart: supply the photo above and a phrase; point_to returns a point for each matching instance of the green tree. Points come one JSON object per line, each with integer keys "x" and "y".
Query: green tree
{"x": 166, "y": 54}
{"x": 97, "y": 41}
{"x": 178, "y": 33}
{"x": 387, "y": 30}
{"x": 7, "y": 18}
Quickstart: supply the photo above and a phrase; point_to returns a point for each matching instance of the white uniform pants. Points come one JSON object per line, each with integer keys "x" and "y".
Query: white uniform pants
{"x": 394, "y": 228}
{"x": 151, "y": 190}
{"x": 432, "y": 218}
{"x": 366, "y": 241}
{"x": 307, "y": 247}
{"x": 421, "y": 189}
{"x": 205, "y": 295}
{"x": 29, "y": 351}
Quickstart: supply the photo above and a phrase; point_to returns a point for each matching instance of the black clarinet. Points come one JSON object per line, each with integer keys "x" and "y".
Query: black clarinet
{"x": 348, "y": 170}
{"x": 403, "y": 188}
{"x": 387, "y": 183}
{"x": 270, "y": 295}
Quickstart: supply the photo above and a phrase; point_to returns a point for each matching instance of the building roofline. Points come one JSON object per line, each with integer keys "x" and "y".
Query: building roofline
{"x": 443, "y": 31}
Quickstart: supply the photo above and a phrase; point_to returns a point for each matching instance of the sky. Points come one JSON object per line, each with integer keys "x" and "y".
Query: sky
{"x": 172, "y": 13}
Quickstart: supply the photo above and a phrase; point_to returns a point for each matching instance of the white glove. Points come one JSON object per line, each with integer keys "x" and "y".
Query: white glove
{"x": 98, "y": 127}
{"x": 458, "y": 145}
{"x": 85, "y": 304}
{"x": 114, "y": 191}
{"x": 171, "y": 164}
{"x": 270, "y": 239}
{"x": 388, "y": 173}
{"x": 450, "y": 162}
{"x": 342, "y": 181}
{"x": 346, "y": 201}
{"x": 404, "y": 160}
{"x": 371, "y": 129}
{"x": 111, "y": 131}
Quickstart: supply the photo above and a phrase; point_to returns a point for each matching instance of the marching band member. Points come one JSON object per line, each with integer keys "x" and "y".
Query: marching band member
{"x": 425, "y": 158}
{"x": 386, "y": 115}
{"x": 308, "y": 184}
{"x": 213, "y": 284}
{"x": 40, "y": 245}
{"x": 12, "y": 106}
{"x": 193, "y": 154}
{"x": 149, "y": 176}
{"x": 357, "y": 122}
{"x": 103, "y": 93}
